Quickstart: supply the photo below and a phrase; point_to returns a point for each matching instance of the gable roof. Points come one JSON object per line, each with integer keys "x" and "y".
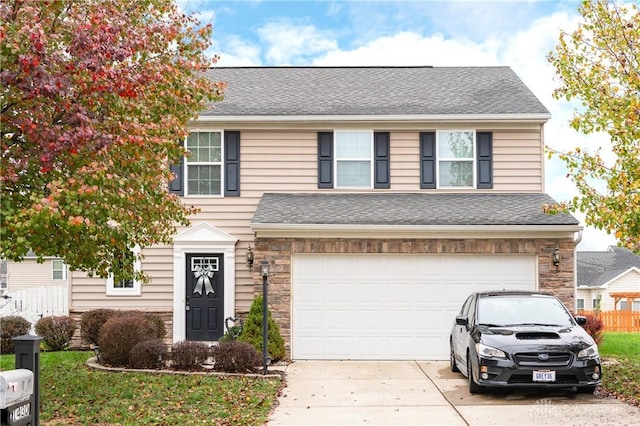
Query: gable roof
{"x": 401, "y": 92}
{"x": 596, "y": 268}
{"x": 409, "y": 210}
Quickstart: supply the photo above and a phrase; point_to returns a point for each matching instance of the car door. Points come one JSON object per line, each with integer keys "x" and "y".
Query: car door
{"x": 460, "y": 333}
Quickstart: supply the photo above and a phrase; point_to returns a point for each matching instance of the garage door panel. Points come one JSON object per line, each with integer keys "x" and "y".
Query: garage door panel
{"x": 390, "y": 306}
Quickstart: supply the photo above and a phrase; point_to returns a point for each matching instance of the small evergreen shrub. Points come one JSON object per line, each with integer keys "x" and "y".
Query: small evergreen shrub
{"x": 147, "y": 354}
{"x": 236, "y": 357}
{"x": 120, "y": 334}
{"x": 252, "y": 331}
{"x": 56, "y": 332}
{"x": 10, "y": 327}
{"x": 188, "y": 355}
{"x": 91, "y": 322}
{"x": 594, "y": 327}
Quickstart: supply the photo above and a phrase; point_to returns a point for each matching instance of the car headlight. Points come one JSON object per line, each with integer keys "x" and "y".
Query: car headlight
{"x": 590, "y": 352}
{"x": 489, "y": 352}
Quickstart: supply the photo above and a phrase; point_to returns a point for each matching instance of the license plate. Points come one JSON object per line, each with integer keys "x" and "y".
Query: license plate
{"x": 20, "y": 412}
{"x": 544, "y": 376}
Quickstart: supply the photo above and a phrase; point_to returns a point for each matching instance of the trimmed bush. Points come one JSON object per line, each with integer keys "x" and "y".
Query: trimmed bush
{"x": 594, "y": 327}
{"x": 91, "y": 322}
{"x": 147, "y": 354}
{"x": 188, "y": 355}
{"x": 236, "y": 357}
{"x": 120, "y": 334}
{"x": 252, "y": 331}
{"x": 56, "y": 332}
{"x": 158, "y": 324}
{"x": 10, "y": 327}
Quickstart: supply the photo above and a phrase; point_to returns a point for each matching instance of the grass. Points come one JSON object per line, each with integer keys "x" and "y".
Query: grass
{"x": 71, "y": 393}
{"x": 621, "y": 369}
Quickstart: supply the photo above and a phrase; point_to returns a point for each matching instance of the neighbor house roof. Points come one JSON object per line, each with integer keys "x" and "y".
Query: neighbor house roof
{"x": 596, "y": 268}
{"x": 408, "y": 209}
{"x": 402, "y": 92}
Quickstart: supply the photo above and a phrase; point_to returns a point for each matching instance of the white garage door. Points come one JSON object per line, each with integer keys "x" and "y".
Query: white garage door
{"x": 390, "y": 306}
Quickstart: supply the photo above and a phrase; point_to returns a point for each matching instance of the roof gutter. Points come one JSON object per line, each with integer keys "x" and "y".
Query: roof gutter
{"x": 528, "y": 118}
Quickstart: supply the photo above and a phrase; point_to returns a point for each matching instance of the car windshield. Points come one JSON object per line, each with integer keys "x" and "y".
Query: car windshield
{"x": 522, "y": 310}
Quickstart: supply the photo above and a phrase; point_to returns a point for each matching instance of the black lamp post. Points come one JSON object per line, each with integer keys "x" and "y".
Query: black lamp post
{"x": 264, "y": 271}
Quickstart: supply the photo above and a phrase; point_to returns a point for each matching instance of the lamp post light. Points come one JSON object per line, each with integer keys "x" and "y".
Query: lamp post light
{"x": 264, "y": 271}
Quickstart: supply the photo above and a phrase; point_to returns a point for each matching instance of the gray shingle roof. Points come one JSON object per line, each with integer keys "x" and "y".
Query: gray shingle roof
{"x": 408, "y": 209}
{"x": 596, "y": 268}
{"x": 338, "y": 91}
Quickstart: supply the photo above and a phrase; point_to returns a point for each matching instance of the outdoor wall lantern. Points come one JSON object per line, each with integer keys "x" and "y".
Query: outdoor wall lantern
{"x": 555, "y": 257}
{"x": 264, "y": 271}
{"x": 250, "y": 258}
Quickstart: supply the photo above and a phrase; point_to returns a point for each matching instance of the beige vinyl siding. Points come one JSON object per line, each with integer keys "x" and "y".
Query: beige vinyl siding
{"x": 29, "y": 274}
{"x": 286, "y": 161}
{"x": 629, "y": 282}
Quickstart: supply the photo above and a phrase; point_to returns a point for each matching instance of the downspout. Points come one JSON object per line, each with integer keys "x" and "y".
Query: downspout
{"x": 576, "y": 241}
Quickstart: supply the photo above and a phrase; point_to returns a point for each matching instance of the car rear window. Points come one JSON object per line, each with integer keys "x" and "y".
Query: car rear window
{"x": 522, "y": 310}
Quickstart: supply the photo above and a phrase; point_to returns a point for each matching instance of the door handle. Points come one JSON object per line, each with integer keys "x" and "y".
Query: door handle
{"x": 187, "y": 308}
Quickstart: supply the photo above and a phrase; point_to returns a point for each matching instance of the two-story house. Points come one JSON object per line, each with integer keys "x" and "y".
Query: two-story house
{"x": 380, "y": 196}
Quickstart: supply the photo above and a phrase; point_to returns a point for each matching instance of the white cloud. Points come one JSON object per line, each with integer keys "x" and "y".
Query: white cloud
{"x": 293, "y": 44}
{"x": 236, "y": 52}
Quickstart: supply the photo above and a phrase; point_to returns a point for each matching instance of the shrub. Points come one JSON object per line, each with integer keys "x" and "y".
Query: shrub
{"x": 252, "y": 331}
{"x": 91, "y": 322}
{"x": 56, "y": 332}
{"x": 147, "y": 354}
{"x": 120, "y": 334}
{"x": 233, "y": 331}
{"x": 10, "y": 327}
{"x": 188, "y": 355}
{"x": 236, "y": 357}
{"x": 158, "y": 324}
{"x": 594, "y": 327}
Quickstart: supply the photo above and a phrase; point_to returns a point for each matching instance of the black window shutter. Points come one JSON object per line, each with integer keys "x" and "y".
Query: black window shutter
{"x": 484, "y": 147}
{"x": 325, "y": 159}
{"x": 381, "y": 160}
{"x": 176, "y": 186}
{"x": 427, "y": 160}
{"x": 231, "y": 163}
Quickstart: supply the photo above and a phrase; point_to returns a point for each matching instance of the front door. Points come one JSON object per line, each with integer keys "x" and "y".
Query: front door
{"x": 205, "y": 296}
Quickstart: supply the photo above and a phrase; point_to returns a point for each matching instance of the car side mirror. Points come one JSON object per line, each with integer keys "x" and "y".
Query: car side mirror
{"x": 461, "y": 320}
{"x": 581, "y": 320}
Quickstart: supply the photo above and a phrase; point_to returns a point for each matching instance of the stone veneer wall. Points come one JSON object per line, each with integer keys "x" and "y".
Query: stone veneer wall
{"x": 279, "y": 252}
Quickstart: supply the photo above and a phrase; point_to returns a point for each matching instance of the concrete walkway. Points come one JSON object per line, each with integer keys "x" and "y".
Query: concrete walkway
{"x": 426, "y": 393}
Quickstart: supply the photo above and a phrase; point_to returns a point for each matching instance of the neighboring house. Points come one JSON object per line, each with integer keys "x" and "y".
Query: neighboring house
{"x": 602, "y": 273}
{"x": 380, "y": 197}
{"x": 29, "y": 273}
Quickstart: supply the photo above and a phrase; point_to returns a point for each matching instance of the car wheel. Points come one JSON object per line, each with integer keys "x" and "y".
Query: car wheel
{"x": 452, "y": 359}
{"x": 586, "y": 389}
{"x": 473, "y": 386}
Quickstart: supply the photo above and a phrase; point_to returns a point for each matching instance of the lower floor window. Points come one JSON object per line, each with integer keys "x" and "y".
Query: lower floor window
{"x": 117, "y": 285}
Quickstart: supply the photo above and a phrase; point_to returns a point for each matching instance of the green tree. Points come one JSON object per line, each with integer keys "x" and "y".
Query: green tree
{"x": 252, "y": 331}
{"x": 95, "y": 94}
{"x": 598, "y": 65}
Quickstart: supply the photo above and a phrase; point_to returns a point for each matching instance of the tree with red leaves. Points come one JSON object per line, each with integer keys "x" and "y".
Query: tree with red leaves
{"x": 95, "y": 95}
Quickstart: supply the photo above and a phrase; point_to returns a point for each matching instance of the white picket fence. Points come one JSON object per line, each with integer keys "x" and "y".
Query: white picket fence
{"x": 35, "y": 303}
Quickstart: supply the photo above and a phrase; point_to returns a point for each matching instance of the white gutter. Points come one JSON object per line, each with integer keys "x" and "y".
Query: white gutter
{"x": 536, "y": 118}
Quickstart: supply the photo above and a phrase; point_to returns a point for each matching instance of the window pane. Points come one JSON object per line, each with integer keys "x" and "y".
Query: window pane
{"x": 580, "y": 303}
{"x": 456, "y": 174}
{"x": 205, "y": 147}
{"x": 353, "y": 174}
{"x": 203, "y": 180}
{"x": 357, "y": 145}
{"x": 455, "y": 144}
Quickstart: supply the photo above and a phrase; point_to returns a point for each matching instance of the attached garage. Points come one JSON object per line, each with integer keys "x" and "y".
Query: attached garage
{"x": 390, "y": 306}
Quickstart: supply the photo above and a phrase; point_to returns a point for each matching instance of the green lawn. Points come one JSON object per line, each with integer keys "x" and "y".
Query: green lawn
{"x": 621, "y": 366}
{"x": 71, "y": 393}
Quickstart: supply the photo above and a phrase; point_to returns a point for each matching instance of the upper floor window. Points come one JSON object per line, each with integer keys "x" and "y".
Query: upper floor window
{"x": 58, "y": 270}
{"x": 455, "y": 159}
{"x": 354, "y": 156}
{"x": 117, "y": 285}
{"x": 204, "y": 164}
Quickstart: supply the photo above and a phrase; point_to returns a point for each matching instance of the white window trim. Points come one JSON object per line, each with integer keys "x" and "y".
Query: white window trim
{"x": 371, "y": 158}
{"x": 439, "y": 159}
{"x": 136, "y": 290}
{"x": 186, "y": 164}
{"x": 53, "y": 269}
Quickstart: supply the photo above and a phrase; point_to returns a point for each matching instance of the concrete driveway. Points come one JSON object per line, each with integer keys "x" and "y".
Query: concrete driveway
{"x": 421, "y": 393}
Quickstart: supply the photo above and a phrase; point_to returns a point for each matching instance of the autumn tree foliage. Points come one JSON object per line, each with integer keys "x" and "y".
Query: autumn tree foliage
{"x": 95, "y": 96}
{"x": 598, "y": 64}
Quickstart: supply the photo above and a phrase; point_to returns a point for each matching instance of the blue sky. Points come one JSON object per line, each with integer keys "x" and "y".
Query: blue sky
{"x": 518, "y": 34}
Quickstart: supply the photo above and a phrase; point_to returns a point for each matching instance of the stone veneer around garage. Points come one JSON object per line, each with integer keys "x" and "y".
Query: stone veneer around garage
{"x": 279, "y": 251}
